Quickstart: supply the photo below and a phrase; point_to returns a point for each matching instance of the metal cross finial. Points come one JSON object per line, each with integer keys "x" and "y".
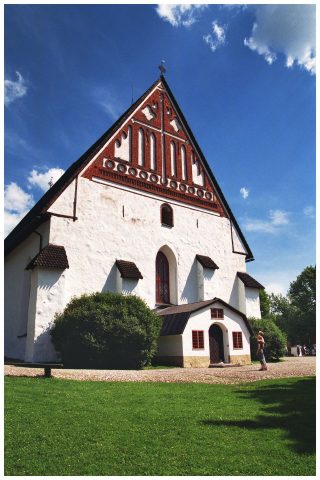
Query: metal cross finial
{"x": 162, "y": 67}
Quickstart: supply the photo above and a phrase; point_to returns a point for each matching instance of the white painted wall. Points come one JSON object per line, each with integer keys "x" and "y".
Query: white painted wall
{"x": 102, "y": 234}
{"x": 252, "y": 302}
{"x": 17, "y": 291}
{"x": 170, "y": 346}
{"x": 202, "y": 320}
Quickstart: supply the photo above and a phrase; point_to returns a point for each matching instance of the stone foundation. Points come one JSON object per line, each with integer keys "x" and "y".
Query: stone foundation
{"x": 243, "y": 359}
{"x": 196, "y": 362}
{"x": 185, "y": 362}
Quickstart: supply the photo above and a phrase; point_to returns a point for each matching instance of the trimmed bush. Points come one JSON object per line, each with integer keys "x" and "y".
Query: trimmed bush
{"x": 275, "y": 339}
{"x": 106, "y": 330}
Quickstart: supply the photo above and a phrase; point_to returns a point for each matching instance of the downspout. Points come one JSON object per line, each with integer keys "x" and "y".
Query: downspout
{"x": 75, "y": 199}
{"x": 41, "y": 240}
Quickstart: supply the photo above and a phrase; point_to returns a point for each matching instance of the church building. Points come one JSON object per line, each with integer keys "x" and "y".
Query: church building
{"x": 140, "y": 213}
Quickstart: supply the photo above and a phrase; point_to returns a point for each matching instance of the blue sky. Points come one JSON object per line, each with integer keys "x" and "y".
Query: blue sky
{"x": 244, "y": 78}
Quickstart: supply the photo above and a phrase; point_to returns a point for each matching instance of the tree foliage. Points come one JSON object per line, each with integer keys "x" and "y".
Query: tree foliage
{"x": 295, "y": 314}
{"x": 275, "y": 339}
{"x": 106, "y": 330}
{"x": 264, "y": 303}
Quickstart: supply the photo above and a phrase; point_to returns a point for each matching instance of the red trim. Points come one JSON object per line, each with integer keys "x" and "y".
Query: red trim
{"x": 237, "y": 340}
{"x": 197, "y": 340}
{"x": 217, "y": 313}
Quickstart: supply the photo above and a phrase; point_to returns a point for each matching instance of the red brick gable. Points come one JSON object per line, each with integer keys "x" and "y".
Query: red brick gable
{"x": 169, "y": 165}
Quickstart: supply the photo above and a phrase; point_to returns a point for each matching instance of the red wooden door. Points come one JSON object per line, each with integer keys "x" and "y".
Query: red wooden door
{"x": 162, "y": 279}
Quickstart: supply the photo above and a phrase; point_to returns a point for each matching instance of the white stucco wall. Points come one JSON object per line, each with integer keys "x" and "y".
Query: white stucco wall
{"x": 170, "y": 346}
{"x": 102, "y": 234}
{"x": 252, "y": 302}
{"x": 17, "y": 291}
{"x": 50, "y": 299}
{"x": 202, "y": 320}
{"x": 114, "y": 223}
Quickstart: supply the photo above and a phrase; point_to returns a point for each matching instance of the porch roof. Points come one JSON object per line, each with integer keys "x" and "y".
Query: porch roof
{"x": 176, "y": 317}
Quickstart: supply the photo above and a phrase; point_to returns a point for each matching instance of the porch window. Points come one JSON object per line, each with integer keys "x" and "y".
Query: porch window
{"x": 197, "y": 339}
{"x": 237, "y": 340}
{"x": 217, "y": 313}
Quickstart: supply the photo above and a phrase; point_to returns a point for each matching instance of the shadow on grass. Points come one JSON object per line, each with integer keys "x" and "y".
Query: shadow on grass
{"x": 291, "y": 408}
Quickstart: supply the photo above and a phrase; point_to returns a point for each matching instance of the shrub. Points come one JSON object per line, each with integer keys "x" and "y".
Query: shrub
{"x": 275, "y": 339}
{"x": 106, "y": 330}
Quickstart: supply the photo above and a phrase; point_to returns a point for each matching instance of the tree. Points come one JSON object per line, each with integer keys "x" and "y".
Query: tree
{"x": 106, "y": 330}
{"x": 302, "y": 293}
{"x": 264, "y": 303}
{"x": 295, "y": 313}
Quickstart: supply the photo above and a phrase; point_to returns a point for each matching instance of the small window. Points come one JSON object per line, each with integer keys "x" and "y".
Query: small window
{"x": 237, "y": 339}
{"x": 166, "y": 215}
{"x": 217, "y": 313}
{"x": 197, "y": 339}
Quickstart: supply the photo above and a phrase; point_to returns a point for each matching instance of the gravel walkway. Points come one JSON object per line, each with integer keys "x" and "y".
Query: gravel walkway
{"x": 290, "y": 367}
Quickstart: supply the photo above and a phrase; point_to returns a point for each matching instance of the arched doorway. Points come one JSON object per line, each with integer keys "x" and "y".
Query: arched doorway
{"x": 162, "y": 279}
{"x": 216, "y": 344}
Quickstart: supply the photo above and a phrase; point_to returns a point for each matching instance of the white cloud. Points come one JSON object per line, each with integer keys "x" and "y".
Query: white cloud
{"x": 288, "y": 30}
{"x": 41, "y": 180}
{"x": 277, "y": 219}
{"x": 218, "y": 36}
{"x": 17, "y": 202}
{"x": 14, "y": 89}
{"x": 244, "y": 192}
{"x": 309, "y": 211}
{"x": 178, "y": 15}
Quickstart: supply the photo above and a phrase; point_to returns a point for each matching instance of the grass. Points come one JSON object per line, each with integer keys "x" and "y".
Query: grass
{"x": 64, "y": 427}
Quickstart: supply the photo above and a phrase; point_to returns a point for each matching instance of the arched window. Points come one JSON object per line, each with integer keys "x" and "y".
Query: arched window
{"x": 183, "y": 163}
{"x": 141, "y": 147}
{"x": 173, "y": 159}
{"x": 162, "y": 279}
{"x": 166, "y": 215}
{"x": 153, "y": 164}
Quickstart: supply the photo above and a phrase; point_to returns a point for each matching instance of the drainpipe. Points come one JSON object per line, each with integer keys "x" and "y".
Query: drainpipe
{"x": 41, "y": 240}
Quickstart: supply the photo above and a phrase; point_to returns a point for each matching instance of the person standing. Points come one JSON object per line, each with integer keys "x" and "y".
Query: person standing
{"x": 260, "y": 351}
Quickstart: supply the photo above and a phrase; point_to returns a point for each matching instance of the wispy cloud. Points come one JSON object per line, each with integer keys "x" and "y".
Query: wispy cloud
{"x": 288, "y": 30}
{"x": 277, "y": 219}
{"x": 309, "y": 211}
{"x": 41, "y": 180}
{"x": 14, "y": 89}
{"x": 109, "y": 101}
{"x": 244, "y": 192}
{"x": 180, "y": 15}
{"x": 217, "y": 38}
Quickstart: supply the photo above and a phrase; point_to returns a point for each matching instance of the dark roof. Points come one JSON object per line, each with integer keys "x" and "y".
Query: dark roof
{"x": 51, "y": 256}
{"x": 207, "y": 262}
{"x": 249, "y": 281}
{"x": 27, "y": 224}
{"x": 174, "y": 324}
{"x": 176, "y": 317}
{"x": 128, "y": 269}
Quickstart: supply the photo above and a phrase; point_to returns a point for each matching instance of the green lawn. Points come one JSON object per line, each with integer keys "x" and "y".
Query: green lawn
{"x": 62, "y": 427}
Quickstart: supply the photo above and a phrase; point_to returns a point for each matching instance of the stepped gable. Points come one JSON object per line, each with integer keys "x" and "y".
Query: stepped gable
{"x": 152, "y": 152}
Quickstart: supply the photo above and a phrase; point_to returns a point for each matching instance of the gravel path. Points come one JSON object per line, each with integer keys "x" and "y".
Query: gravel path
{"x": 290, "y": 367}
